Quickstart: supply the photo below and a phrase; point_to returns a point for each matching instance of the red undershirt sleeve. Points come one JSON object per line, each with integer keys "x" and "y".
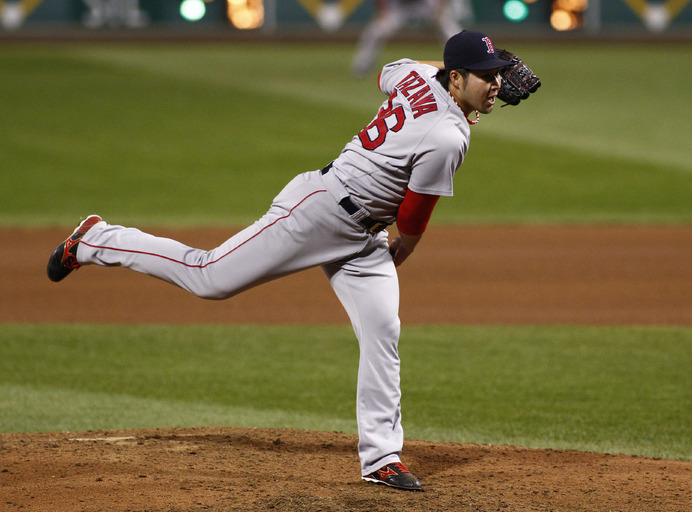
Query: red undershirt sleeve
{"x": 415, "y": 212}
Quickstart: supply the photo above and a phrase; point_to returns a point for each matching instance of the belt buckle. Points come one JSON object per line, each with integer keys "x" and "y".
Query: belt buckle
{"x": 377, "y": 227}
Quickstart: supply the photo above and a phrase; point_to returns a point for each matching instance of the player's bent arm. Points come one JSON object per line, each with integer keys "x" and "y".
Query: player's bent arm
{"x": 412, "y": 221}
{"x": 402, "y": 246}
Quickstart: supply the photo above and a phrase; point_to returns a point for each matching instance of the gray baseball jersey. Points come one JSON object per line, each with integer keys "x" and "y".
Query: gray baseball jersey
{"x": 418, "y": 140}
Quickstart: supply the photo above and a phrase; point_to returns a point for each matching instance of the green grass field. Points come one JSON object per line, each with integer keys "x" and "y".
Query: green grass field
{"x": 172, "y": 135}
{"x": 209, "y": 133}
{"x": 620, "y": 389}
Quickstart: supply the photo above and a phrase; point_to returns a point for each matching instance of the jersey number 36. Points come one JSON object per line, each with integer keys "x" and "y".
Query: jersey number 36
{"x": 388, "y": 119}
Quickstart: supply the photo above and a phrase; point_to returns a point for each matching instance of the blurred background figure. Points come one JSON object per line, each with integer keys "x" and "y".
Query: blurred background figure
{"x": 392, "y": 15}
{"x": 331, "y": 14}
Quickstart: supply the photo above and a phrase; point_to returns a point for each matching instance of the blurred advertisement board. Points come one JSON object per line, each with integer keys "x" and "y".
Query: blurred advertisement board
{"x": 589, "y": 16}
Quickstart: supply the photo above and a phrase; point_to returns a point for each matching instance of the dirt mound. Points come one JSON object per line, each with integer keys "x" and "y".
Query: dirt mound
{"x": 230, "y": 469}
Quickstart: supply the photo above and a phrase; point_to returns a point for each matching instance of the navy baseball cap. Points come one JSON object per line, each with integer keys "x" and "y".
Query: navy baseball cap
{"x": 471, "y": 50}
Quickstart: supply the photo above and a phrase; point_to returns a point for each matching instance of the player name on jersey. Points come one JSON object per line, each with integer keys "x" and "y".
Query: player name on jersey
{"x": 416, "y": 90}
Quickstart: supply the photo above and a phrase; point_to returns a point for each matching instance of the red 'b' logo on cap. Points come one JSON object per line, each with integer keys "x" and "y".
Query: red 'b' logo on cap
{"x": 489, "y": 45}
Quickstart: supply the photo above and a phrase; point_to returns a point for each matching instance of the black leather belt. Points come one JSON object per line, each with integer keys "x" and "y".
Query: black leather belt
{"x": 370, "y": 224}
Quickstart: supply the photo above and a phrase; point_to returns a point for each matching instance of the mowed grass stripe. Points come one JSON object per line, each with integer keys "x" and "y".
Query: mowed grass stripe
{"x": 571, "y": 110}
{"x": 41, "y": 409}
{"x": 202, "y": 135}
{"x": 624, "y": 389}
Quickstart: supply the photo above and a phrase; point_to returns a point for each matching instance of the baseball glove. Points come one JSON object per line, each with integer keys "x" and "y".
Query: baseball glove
{"x": 518, "y": 81}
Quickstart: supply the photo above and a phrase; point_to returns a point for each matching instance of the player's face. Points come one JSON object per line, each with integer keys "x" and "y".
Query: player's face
{"x": 480, "y": 89}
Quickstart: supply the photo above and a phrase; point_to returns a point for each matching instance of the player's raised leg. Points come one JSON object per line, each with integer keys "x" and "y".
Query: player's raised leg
{"x": 296, "y": 233}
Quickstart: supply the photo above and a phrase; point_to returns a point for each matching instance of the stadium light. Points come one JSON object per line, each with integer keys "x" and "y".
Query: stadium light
{"x": 193, "y": 10}
{"x": 246, "y": 14}
{"x": 568, "y": 14}
{"x": 515, "y": 10}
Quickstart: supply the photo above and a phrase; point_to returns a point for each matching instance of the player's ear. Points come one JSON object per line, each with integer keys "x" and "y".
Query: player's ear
{"x": 456, "y": 79}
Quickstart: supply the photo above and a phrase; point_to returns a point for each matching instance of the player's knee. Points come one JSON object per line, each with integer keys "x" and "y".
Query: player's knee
{"x": 210, "y": 296}
{"x": 211, "y": 293}
{"x": 387, "y": 336}
{"x": 392, "y": 329}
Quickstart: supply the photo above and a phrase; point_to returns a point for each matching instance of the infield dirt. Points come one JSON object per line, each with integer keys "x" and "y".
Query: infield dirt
{"x": 467, "y": 275}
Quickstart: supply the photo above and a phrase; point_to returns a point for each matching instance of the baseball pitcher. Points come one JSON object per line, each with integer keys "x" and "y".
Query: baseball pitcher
{"x": 393, "y": 171}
